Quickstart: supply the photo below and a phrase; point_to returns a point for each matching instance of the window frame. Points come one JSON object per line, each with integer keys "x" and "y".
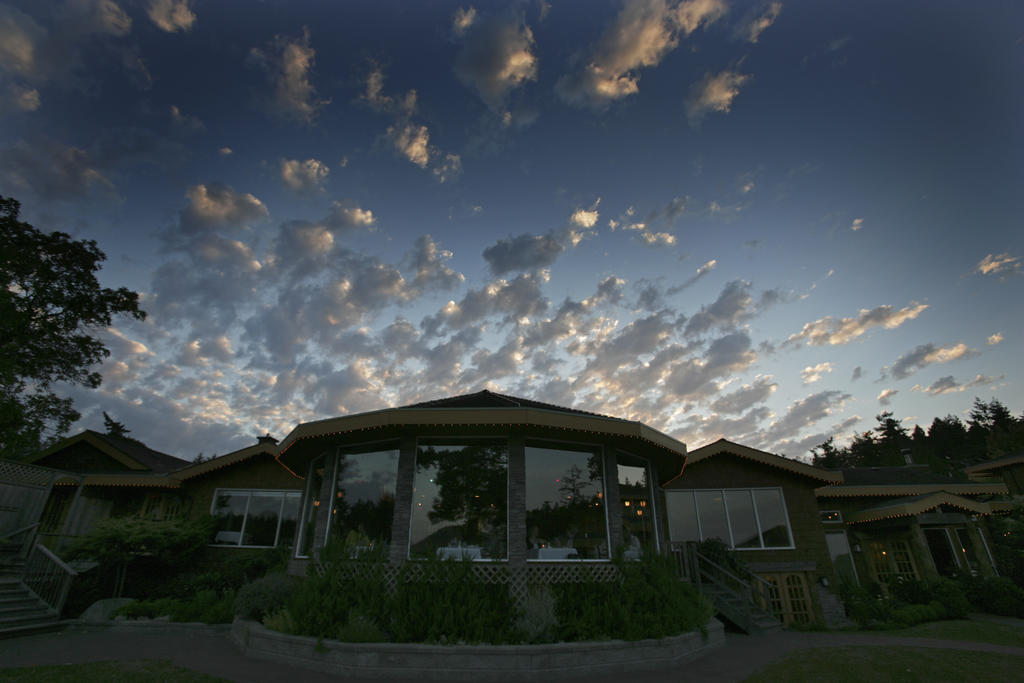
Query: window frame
{"x": 285, "y": 495}
{"x": 651, "y": 492}
{"x": 757, "y": 516}
{"x": 359, "y": 449}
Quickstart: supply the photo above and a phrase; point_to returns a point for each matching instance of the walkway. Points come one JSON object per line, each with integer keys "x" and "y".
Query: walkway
{"x": 211, "y": 652}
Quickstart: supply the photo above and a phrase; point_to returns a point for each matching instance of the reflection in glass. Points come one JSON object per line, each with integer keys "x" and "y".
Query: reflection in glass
{"x": 363, "y": 500}
{"x": 741, "y": 519}
{"x": 316, "y": 479}
{"x": 460, "y": 501}
{"x": 229, "y": 513}
{"x": 771, "y": 511}
{"x": 637, "y": 503}
{"x": 261, "y": 519}
{"x": 682, "y": 516}
{"x": 565, "y": 518}
{"x": 711, "y": 508}
{"x": 254, "y": 518}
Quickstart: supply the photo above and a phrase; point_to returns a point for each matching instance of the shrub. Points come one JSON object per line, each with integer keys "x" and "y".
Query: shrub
{"x": 263, "y": 596}
{"x": 995, "y": 595}
{"x": 536, "y": 622}
{"x": 207, "y": 607}
{"x": 865, "y": 604}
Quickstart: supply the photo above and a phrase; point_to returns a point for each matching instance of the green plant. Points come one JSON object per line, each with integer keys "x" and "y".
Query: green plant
{"x": 207, "y": 607}
{"x": 995, "y": 595}
{"x": 537, "y": 621}
{"x": 263, "y": 596}
{"x": 282, "y": 621}
{"x": 360, "y": 629}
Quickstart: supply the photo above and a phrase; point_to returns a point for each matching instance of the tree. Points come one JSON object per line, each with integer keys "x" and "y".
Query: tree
{"x": 113, "y": 427}
{"x": 51, "y": 306}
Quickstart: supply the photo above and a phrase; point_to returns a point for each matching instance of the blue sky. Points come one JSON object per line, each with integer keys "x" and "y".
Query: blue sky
{"x": 764, "y": 221}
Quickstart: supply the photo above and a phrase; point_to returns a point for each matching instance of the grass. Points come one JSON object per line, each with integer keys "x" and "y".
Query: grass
{"x": 108, "y": 672}
{"x": 961, "y": 629}
{"x": 857, "y": 664}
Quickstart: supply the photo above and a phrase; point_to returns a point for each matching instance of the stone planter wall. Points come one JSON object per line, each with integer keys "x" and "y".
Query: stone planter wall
{"x": 474, "y": 662}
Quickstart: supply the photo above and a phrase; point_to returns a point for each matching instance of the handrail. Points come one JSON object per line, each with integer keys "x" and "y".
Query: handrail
{"x": 48, "y": 577}
{"x": 56, "y": 560}
{"x": 10, "y": 534}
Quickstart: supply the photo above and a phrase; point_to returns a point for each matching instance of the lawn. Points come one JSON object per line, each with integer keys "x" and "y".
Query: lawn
{"x": 962, "y": 629}
{"x": 857, "y": 664}
{"x": 108, "y": 672}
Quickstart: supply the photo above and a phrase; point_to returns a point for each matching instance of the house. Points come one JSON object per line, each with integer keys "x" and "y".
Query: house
{"x": 908, "y": 522}
{"x": 254, "y": 500}
{"x": 1009, "y": 469}
{"x": 763, "y": 506}
{"x": 484, "y": 476}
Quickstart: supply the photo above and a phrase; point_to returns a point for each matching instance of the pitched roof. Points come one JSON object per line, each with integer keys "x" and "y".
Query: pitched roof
{"x": 908, "y": 480}
{"x": 491, "y": 399}
{"x": 133, "y": 454}
{"x": 915, "y": 505}
{"x": 997, "y": 464}
{"x": 763, "y": 457}
{"x": 226, "y": 460}
{"x": 903, "y": 474}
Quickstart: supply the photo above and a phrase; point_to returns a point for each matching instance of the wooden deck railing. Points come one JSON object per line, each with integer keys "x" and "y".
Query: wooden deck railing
{"x": 48, "y": 577}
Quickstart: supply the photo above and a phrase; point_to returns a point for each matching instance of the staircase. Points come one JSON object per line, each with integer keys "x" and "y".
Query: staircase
{"x": 745, "y": 615}
{"x": 21, "y": 610}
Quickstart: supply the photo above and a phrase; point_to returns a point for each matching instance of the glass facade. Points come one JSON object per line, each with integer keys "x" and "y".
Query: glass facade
{"x": 460, "y": 501}
{"x": 636, "y": 495}
{"x": 363, "y": 498}
{"x": 565, "y": 515}
{"x": 744, "y": 519}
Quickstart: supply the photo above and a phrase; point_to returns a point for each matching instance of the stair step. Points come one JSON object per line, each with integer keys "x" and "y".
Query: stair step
{"x": 28, "y": 629}
{"x": 32, "y": 609}
{"x": 27, "y": 619}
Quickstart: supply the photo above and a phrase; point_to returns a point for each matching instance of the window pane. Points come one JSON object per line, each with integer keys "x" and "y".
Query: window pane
{"x": 772, "y": 514}
{"x": 261, "y": 522}
{"x": 364, "y": 497}
{"x": 565, "y": 518}
{"x": 742, "y": 520}
{"x": 637, "y": 504}
{"x": 289, "y": 519}
{"x": 682, "y": 517}
{"x": 967, "y": 548}
{"x": 316, "y": 479}
{"x": 229, "y": 512}
{"x": 711, "y": 508}
{"x": 460, "y": 501}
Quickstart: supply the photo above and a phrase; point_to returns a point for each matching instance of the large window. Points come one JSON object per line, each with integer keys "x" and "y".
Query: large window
{"x": 565, "y": 516}
{"x": 745, "y": 519}
{"x": 255, "y": 518}
{"x": 363, "y": 501}
{"x": 314, "y": 480}
{"x": 460, "y": 501}
{"x": 636, "y": 498}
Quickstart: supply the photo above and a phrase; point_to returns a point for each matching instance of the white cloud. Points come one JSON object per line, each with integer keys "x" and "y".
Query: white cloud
{"x": 463, "y": 18}
{"x": 171, "y": 15}
{"x": 813, "y": 373}
{"x": 827, "y": 331}
{"x": 304, "y": 176}
{"x": 225, "y": 151}
{"x": 346, "y": 215}
{"x": 857, "y": 224}
{"x": 288, "y": 63}
{"x": 100, "y": 16}
{"x": 757, "y": 22}
{"x": 804, "y": 413}
{"x": 412, "y": 142}
{"x": 745, "y": 397}
{"x": 216, "y": 204}
{"x": 707, "y": 267}
{"x": 639, "y": 37}
{"x": 885, "y": 396}
{"x": 585, "y": 218}
{"x": 17, "y": 98}
{"x": 994, "y": 339}
{"x": 948, "y": 385}
{"x": 999, "y": 264}
{"x": 925, "y": 355}
{"x": 497, "y": 58}
{"x": 524, "y": 252}
{"x": 714, "y": 93}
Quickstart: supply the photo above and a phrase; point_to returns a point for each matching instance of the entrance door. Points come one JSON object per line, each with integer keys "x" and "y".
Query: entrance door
{"x": 789, "y": 598}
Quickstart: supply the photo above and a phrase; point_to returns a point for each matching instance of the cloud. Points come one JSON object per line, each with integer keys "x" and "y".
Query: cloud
{"x": 994, "y": 339}
{"x": 496, "y": 59}
{"x": 218, "y": 205}
{"x": 928, "y": 354}
{"x": 695, "y": 378}
{"x": 642, "y": 34}
{"x": 714, "y": 93}
{"x": 585, "y": 218}
{"x": 857, "y": 224}
{"x": 813, "y": 373}
{"x": 524, "y": 252}
{"x": 948, "y": 385}
{"x": 18, "y": 98}
{"x": 192, "y": 123}
{"x": 347, "y": 215}
{"x": 99, "y": 16}
{"x": 304, "y": 176}
{"x": 430, "y": 264}
{"x": 733, "y": 305}
{"x": 463, "y": 19}
{"x": 827, "y": 331}
{"x": 757, "y": 21}
{"x": 1001, "y": 264}
{"x": 171, "y": 15}
{"x": 288, "y": 63}
{"x": 513, "y": 301}
{"x": 54, "y": 171}
{"x": 745, "y": 397}
{"x": 225, "y": 151}
{"x": 804, "y": 413}
{"x": 858, "y": 372}
{"x": 885, "y": 396}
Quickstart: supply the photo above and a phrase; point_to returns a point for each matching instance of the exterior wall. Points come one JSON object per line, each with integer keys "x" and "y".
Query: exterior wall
{"x": 83, "y": 457}
{"x": 258, "y": 472}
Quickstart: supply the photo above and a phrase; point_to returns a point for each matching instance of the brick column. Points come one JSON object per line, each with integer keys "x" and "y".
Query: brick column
{"x": 517, "y": 501}
{"x": 403, "y": 499}
{"x": 612, "y": 501}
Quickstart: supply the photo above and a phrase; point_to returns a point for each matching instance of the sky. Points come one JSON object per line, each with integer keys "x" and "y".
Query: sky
{"x": 764, "y": 221}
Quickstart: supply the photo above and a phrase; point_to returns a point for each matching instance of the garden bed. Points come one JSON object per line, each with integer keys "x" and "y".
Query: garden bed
{"x": 474, "y": 662}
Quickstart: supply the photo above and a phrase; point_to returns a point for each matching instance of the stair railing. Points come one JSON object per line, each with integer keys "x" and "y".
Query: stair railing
{"x": 28, "y": 534}
{"x": 48, "y": 577}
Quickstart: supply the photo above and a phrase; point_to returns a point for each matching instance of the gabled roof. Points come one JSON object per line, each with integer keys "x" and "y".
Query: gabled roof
{"x": 764, "y": 458}
{"x": 991, "y": 466}
{"x": 133, "y": 454}
{"x": 909, "y": 507}
{"x": 902, "y": 474}
{"x": 908, "y": 480}
{"x": 226, "y": 460}
{"x": 490, "y": 399}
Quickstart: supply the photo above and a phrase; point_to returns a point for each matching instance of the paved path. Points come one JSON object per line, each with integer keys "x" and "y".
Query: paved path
{"x": 213, "y": 653}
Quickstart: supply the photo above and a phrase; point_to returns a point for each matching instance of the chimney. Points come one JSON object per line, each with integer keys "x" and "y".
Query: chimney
{"x": 907, "y": 457}
{"x": 266, "y": 438}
